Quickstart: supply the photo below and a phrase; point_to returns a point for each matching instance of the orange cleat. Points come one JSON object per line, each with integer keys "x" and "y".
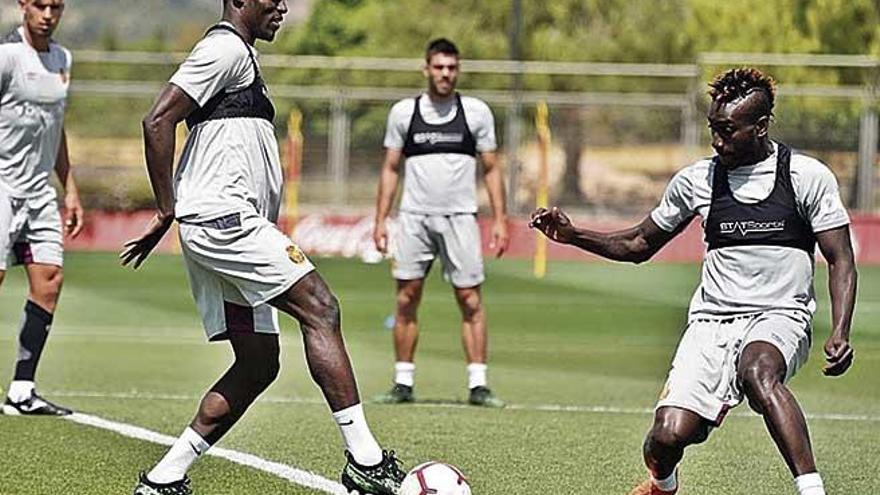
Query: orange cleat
{"x": 648, "y": 487}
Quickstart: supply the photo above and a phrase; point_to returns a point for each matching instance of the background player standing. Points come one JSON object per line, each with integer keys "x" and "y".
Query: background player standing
{"x": 764, "y": 208}
{"x": 440, "y": 133}
{"x": 226, "y": 197}
{"x": 34, "y": 78}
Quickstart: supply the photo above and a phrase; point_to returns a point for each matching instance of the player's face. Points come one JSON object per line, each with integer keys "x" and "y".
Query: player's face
{"x": 442, "y": 73}
{"x": 42, "y": 16}
{"x": 736, "y": 133}
{"x": 266, "y": 17}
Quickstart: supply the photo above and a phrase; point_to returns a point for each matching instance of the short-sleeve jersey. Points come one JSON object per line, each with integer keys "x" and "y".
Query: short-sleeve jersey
{"x": 440, "y": 183}
{"x": 33, "y": 97}
{"x": 754, "y": 278}
{"x": 231, "y": 164}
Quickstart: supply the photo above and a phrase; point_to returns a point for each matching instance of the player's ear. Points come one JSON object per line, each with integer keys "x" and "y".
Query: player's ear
{"x": 425, "y": 69}
{"x": 762, "y": 126}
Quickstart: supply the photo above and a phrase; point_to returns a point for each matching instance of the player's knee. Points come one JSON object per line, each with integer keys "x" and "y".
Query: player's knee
{"x": 759, "y": 383}
{"x": 408, "y": 302}
{"x": 470, "y": 303}
{"x": 47, "y": 289}
{"x": 325, "y": 314}
{"x": 666, "y": 437}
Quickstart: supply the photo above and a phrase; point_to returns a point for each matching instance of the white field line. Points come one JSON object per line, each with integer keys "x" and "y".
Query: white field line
{"x": 289, "y": 473}
{"x": 861, "y": 418}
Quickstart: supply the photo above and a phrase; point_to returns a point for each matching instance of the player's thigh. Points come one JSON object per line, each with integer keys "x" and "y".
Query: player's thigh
{"x": 254, "y": 257}
{"x": 44, "y": 278}
{"x": 41, "y": 239}
{"x": 409, "y": 293}
{"x": 311, "y": 302}
{"x": 414, "y": 249}
{"x": 236, "y": 270}
{"x": 11, "y": 219}
{"x": 775, "y": 346}
{"x": 702, "y": 376}
{"x": 461, "y": 250}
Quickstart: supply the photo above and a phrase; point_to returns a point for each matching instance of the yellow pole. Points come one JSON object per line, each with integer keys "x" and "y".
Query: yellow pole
{"x": 541, "y": 201}
{"x": 293, "y": 166}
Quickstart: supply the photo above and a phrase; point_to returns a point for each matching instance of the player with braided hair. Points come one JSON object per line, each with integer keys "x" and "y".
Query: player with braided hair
{"x": 763, "y": 208}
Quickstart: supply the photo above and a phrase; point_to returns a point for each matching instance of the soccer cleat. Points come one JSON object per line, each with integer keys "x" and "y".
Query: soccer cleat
{"x": 382, "y": 479}
{"x": 398, "y": 394}
{"x": 33, "y": 406}
{"x": 147, "y": 487}
{"x": 482, "y": 396}
{"x": 648, "y": 487}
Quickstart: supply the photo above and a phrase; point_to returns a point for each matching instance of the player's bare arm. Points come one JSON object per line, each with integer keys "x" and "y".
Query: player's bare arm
{"x": 495, "y": 188}
{"x": 388, "y": 179}
{"x": 836, "y": 247}
{"x": 172, "y": 106}
{"x": 73, "y": 210}
{"x": 636, "y": 244}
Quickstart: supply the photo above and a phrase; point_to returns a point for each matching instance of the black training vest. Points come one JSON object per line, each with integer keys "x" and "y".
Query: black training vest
{"x": 250, "y": 102}
{"x": 452, "y": 137}
{"x": 773, "y": 221}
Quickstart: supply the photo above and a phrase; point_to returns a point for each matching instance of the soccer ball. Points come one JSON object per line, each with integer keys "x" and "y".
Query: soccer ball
{"x": 435, "y": 478}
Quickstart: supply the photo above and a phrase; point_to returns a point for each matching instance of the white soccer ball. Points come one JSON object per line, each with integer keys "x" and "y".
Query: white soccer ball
{"x": 435, "y": 477}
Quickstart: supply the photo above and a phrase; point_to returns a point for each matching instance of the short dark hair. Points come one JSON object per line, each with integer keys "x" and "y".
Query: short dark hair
{"x": 740, "y": 83}
{"x": 440, "y": 45}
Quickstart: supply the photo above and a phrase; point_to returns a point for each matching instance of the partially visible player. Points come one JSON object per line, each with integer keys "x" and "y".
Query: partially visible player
{"x": 34, "y": 78}
{"x": 764, "y": 209}
{"x": 439, "y": 135}
{"x": 226, "y": 196}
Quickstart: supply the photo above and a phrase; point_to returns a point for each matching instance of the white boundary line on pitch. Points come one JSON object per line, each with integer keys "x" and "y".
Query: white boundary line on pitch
{"x": 297, "y": 476}
{"x": 862, "y": 418}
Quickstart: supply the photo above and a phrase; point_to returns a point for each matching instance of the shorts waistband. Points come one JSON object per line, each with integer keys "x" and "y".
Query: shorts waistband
{"x": 729, "y": 319}
{"x": 229, "y": 221}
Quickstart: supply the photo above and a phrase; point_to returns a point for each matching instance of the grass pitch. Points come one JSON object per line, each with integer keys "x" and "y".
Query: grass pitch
{"x": 128, "y": 347}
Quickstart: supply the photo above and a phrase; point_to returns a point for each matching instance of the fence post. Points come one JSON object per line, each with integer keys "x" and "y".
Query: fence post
{"x": 338, "y": 143}
{"x": 867, "y": 157}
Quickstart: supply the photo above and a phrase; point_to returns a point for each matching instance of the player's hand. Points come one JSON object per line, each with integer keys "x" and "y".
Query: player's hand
{"x": 839, "y": 355}
{"x": 138, "y": 249}
{"x": 380, "y": 237}
{"x": 500, "y": 237}
{"x": 73, "y": 214}
{"x": 553, "y": 223}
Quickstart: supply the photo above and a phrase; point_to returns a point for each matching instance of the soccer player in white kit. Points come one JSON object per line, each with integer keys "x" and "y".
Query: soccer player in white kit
{"x": 439, "y": 136}
{"x": 764, "y": 208}
{"x": 34, "y": 78}
{"x": 226, "y": 195}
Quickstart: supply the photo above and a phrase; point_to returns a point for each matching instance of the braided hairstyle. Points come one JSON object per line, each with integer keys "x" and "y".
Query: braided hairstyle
{"x": 740, "y": 83}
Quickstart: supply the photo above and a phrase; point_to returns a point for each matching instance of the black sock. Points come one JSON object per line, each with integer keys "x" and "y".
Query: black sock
{"x": 31, "y": 339}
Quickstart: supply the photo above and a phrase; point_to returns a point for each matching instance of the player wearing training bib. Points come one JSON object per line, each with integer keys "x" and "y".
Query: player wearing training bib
{"x": 34, "y": 78}
{"x": 226, "y": 195}
{"x": 439, "y": 136}
{"x": 764, "y": 208}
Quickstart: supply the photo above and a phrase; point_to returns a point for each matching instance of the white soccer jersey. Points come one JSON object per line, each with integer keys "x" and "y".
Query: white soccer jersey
{"x": 440, "y": 184}
{"x": 228, "y": 165}
{"x": 33, "y": 97}
{"x": 751, "y": 279}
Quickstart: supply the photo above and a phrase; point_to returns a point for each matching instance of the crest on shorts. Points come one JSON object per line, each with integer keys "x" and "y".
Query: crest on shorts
{"x": 295, "y": 254}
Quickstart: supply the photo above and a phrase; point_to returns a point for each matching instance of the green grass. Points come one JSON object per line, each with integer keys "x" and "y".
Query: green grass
{"x": 587, "y": 335}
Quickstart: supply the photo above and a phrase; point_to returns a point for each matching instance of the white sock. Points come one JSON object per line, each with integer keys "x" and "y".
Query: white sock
{"x": 477, "y": 375}
{"x": 810, "y": 484}
{"x": 357, "y": 436}
{"x": 179, "y": 458}
{"x": 668, "y": 484}
{"x": 20, "y": 390}
{"x": 405, "y": 373}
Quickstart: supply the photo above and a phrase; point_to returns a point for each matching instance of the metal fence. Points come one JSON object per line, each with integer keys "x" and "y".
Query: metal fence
{"x": 617, "y": 140}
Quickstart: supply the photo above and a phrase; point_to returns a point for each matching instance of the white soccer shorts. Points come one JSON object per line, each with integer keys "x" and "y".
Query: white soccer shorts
{"x": 236, "y": 264}
{"x": 703, "y": 377}
{"x": 30, "y": 231}
{"x": 455, "y": 239}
